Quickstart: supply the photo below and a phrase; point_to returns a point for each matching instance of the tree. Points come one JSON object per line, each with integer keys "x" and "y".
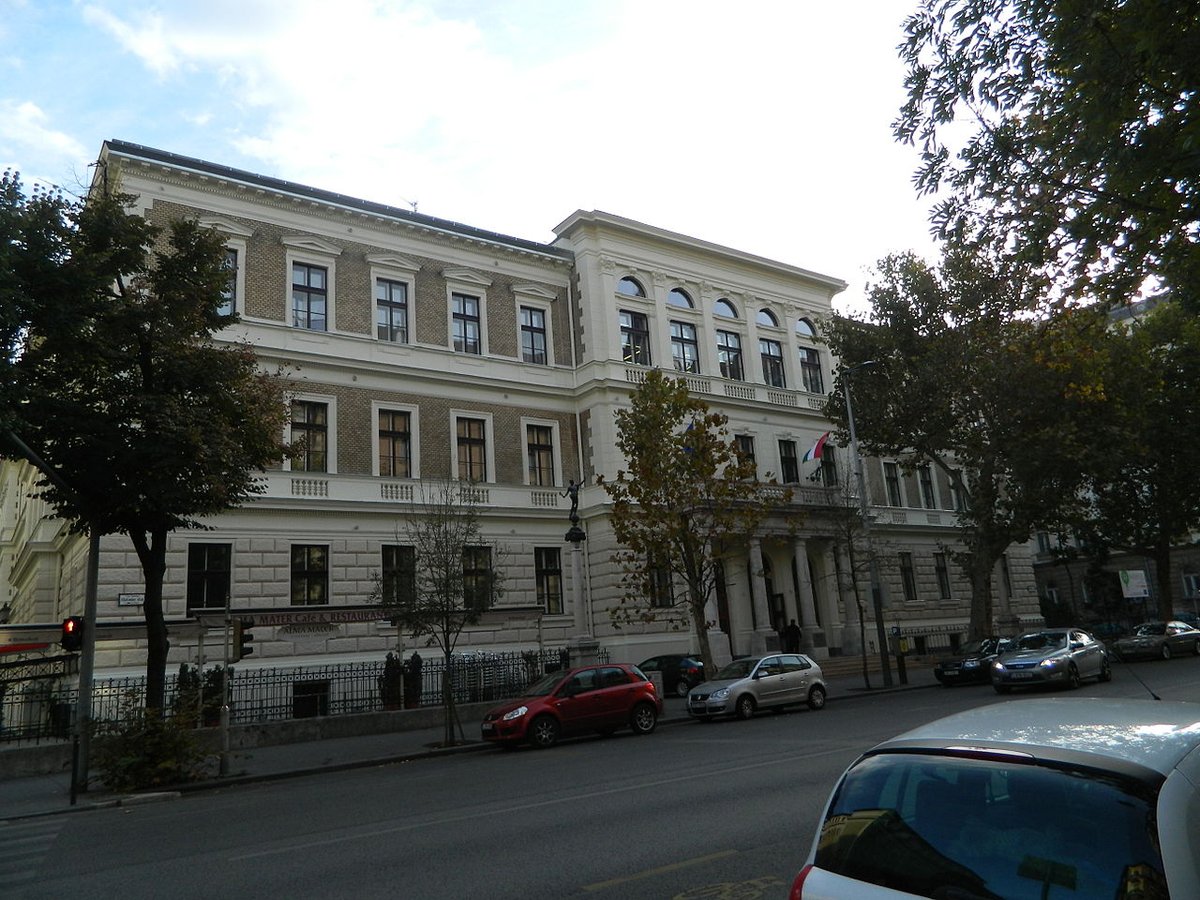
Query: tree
{"x": 688, "y": 495}
{"x": 452, "y": 577}
{"x": 1082, "y": 123}
{"x": 115, "y": 382}
{"x": 1143, "y": 494}
{"x": 963, "y": 380}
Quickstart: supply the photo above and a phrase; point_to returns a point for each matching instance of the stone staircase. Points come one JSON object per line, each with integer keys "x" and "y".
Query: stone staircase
{"x": 852, "y": 665}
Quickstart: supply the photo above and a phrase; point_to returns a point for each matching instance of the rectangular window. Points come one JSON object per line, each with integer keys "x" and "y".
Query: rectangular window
{"x": 310, "y": 432}
{"x": 891, "y": 478}
{"x": 1052, "y": 592}
{"x": 956, "y": 492}
{"x": 661, "y": 589}
{"x": 908, "y": 577}
{"x": 789, "y": 462}
{"x": 1005, "y": 575}
{"x": 540, "y": 451}
{"x": 1043, "y": 542}
{"x": 229, "y": 296}
{"x": 1191, "y": 585}
{"x": 810, "y": 370}
{"x": 772, "y": 362}
{"x": 685, "y": 352}
{"x": 533, "y": 335}
{"x": 310, "y": 293}
{"x": 925, "y": 477}
{"x": 472, "y": 449}
{"x": 829, "y": 470}
{"x": 635, "y": 338}
{"x": 395, "y": 444}
{"x": 745, "y": 443}
{"x": 477, "y": 578}
{"x": 729, "y": 355}
{"x": 943, "y": 575}
{"x": 208, "y": 576}
{"x": 465, "y": 317}
{"x": 310, "y": 574}
{"x": 547, "y": 565}
{"x": 391, "y": 311}
{"x": 399, "y": 574}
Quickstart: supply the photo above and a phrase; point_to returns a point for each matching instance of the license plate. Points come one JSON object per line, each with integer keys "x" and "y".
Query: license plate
{"x": 488, "y": 726}
{"x": 1022, "y": 674}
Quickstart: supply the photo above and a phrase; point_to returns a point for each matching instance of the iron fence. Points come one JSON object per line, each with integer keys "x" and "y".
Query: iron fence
{"x": 37, "y": 712}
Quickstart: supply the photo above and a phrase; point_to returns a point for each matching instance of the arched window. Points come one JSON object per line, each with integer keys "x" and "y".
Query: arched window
{"x": 766, "y": 317}
{"x": 724, "y": 308}
{"x": 804, "y": 328}
{"x": 630, "y": 287}
{"x": 679, "y": 297}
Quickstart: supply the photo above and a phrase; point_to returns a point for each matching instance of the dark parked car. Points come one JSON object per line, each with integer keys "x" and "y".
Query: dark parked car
{"x": 1160, "y": 639}
{"x": 1055, "y": 656}
{"x": 680, "y": 673}
{"x": 972, "y": 664}
{"x": 598, "y": 699}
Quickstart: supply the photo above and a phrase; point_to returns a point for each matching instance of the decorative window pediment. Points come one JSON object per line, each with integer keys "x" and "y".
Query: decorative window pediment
{"x": 466, "y": 276}
{"x": 393, "y": 261}
{"x": 307, "y": 244}
{"x": 225, "y": 226}
{"x": 535, "y": 290}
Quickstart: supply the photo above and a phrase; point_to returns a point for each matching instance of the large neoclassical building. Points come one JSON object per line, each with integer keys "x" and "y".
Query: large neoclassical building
{"x": 420, "y": 349}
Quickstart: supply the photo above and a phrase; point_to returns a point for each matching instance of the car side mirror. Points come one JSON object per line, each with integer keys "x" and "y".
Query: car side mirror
{"x": 1076, "y": 645}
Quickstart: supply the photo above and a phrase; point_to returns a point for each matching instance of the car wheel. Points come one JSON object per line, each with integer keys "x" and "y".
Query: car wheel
{"x": 816, "y": 697}
{"x": 1002, "y": 688}
{"x": 1105, "y": 671}
{"x": 745, "y": 706}
{"x": 1165, "y": 652}
{"x": 644, "y": 718}
{"x": 682, "y": 688}
{"x": 543, "y": 732}
{"x": 1072, "y": 678}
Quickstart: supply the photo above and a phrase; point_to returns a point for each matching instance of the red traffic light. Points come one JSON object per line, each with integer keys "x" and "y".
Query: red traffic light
{"x": 72, "y": 633}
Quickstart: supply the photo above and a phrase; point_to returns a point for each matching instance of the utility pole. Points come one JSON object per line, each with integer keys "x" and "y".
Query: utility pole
{"x": 877, "y": 587}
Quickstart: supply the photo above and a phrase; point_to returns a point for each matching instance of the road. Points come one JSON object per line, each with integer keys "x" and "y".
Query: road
{"x": 721, "y": 811}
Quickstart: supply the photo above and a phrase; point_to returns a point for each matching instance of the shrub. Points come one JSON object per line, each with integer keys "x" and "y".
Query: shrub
{"x": 144, "y": 750}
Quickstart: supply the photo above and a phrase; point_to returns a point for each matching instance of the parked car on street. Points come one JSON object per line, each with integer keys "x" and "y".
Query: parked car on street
{"x": 1159, "y": 639}
{"x": 1054, "y": 656}
{"x": 972, "y": 664}
{"x": 1044, "y": 799}
{"x": 600, "y": 699}
{"x": 680, "y": 673}
{"x": 758, "y": 682}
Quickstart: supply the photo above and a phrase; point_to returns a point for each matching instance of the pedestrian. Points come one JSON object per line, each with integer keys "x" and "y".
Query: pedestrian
{"x": 791, "y": 637}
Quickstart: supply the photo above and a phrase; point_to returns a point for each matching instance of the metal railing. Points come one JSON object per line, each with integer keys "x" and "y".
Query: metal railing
{"x": 34, "y": 712}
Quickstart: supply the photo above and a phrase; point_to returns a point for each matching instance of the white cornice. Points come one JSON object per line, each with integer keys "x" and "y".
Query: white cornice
{"x": 311, "y": 244}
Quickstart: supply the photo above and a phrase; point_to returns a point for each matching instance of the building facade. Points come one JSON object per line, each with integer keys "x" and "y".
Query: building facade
{"x": 420, "y": 350}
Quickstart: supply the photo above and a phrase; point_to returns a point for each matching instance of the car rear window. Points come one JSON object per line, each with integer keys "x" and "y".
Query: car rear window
{"x": 980, "y": 829}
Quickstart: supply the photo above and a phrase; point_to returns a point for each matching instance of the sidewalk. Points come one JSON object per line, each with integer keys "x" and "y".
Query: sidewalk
{"x": 49, "y": 794}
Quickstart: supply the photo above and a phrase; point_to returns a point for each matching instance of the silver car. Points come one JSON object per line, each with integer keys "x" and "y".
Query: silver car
{"x": 1045, "y": 799}
{"x": 1160, "y": 639}
{"x": 758, "y": 682}
{"x": 1053, "y": 656}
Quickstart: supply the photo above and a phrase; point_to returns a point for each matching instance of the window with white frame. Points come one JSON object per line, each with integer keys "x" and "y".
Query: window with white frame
{"x": 478, "y": 578}
{"x": 745, "y": 444}
{"x": 547, "y": 567}
{"x": 310, "y": 574}
{"x": 209, "y": 569}
{"x": 810, "y": 370}
{"x": 539, "y": 454}
{"x": 943, "y": 574}
{"x": 771, "y": 353}
{"x": 685, "y": 351}
{"x": 908, "y": 577}
{"x": 398, "y": 573}
{"x": 891, "y": 480}
{"x": 391, "y": 310}
{"x": 230, "y": 294}
{"x": 925, "y": 479}
{"x": 533, "y": 336}
{"x": 310, "y": 435}
{"x": 466, "y": 324}
{"x": 1191, "y": 585}
{"x": 635, "y": 337}
{"x": 473, "y": 453}
{"x": 310, "y": 296}
{"x": 235, "y": 236}
{"x": 395, "y": 443}
{"x": 789, "y": 462}
{"x": 729, "y": 355}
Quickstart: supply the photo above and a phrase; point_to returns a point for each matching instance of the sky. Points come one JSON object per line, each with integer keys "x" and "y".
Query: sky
{"x": 761, "y": 126}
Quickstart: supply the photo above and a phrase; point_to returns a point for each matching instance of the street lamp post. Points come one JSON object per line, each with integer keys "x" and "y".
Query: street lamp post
{"x": 872, "y": 562}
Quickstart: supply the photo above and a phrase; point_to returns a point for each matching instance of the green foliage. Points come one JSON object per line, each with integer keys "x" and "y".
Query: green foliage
{"x": 1081, "y": 124}
{"x": 391, "y": 682}
{"x": 111, "y": 377}
{"x": 687, "y": 496}
{"x": 143, "y": 750}
{"x": 965, "y": 379}
{"x": 197, "y": 700}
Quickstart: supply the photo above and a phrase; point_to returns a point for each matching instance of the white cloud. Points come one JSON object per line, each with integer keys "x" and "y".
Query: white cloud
{"x": 26, "y": 134}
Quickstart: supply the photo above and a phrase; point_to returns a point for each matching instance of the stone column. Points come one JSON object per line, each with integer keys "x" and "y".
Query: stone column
{"x": 852, "y": 644}
{"x": 811, "y": 635}
{"x": 583, "y": 646}
{"x": 831, "y": 597}
{"x": 758, "y": 591}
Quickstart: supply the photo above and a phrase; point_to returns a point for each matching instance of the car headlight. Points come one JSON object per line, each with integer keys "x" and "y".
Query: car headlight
{"x": 1050, "y": 663}
{"x": 720, "y": 694}
{"x": 515, "y": 713}
{"x": 971, "y": 664}
{"x": 997, "y": 666}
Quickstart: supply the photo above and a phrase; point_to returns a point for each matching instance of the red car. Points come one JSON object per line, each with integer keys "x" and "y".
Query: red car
{"x": 599, "y": 699}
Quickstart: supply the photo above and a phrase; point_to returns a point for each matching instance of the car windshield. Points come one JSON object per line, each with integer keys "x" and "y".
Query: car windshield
{"x": 961, "y": 827}
{"x": 1151, "y": 628}
{"x": 544, "y": 686}
{"x": 977, "y": 648}
{"x": 739, "y": 668}
{"x": 1042, "y": 640}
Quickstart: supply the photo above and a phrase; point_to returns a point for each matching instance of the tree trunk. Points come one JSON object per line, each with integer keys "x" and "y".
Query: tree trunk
{"x": 153, "y": 557}
{"x": 980, "y": 572}
{"x": 1166, "y": 581}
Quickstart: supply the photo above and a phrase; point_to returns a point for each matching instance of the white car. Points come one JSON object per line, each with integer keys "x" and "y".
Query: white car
{"x": 1042, "y": 799}
{"x": 751, "y": 683}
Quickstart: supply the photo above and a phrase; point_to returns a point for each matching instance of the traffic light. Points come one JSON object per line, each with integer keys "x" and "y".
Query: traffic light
{"x": 72, "y": 634}
{"x": 242, "y": 639}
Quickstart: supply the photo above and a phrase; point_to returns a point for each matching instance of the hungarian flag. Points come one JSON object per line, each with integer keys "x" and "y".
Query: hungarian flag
{"x": 817, "y": 449}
